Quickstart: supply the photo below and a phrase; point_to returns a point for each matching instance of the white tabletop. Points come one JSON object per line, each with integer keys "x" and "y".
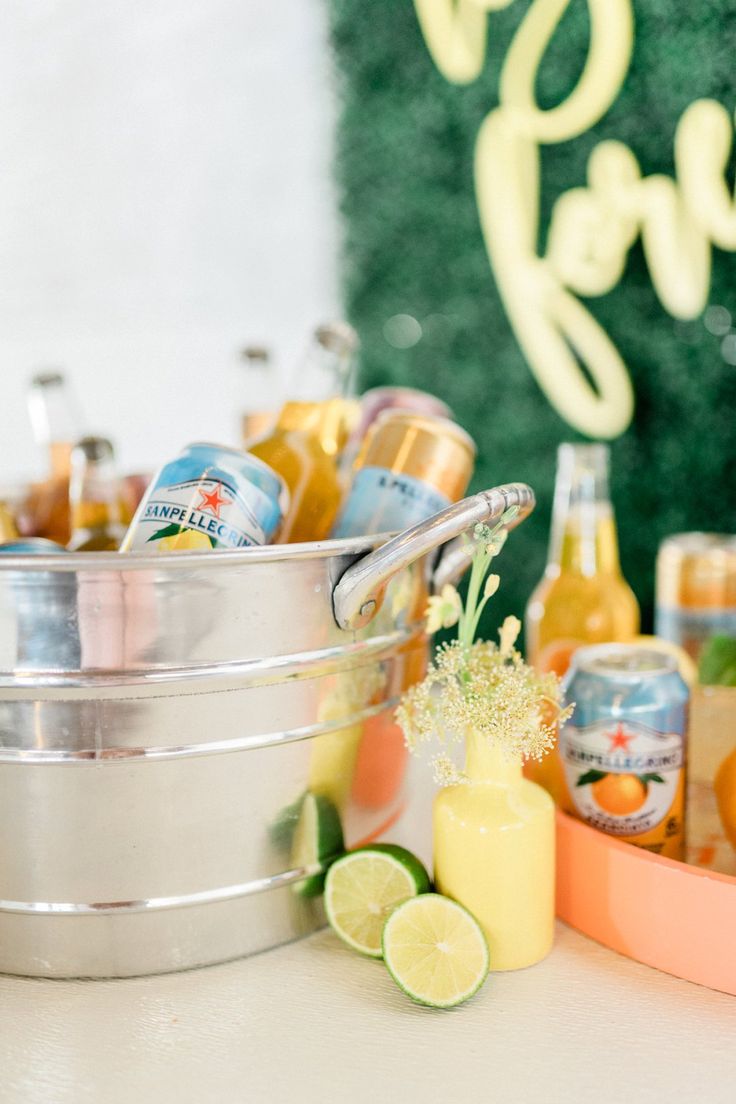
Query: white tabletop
{"x": 314, "y": 1022}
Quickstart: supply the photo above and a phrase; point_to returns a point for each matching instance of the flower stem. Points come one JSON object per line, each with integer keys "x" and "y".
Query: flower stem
{"x": 466, "y": 628}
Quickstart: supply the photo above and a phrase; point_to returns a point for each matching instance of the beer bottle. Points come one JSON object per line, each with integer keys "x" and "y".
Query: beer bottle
{"x": 259, "y": 409}
{"x": 583, "y": 597}
{"x": 310, "y": 432}
{"x": 95, "y": 498}
{"x": 55, "y": 423}
{"x": 56, "y": 426}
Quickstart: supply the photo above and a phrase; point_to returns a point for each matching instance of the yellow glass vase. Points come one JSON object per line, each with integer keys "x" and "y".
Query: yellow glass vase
{"x": 494, "y": 852}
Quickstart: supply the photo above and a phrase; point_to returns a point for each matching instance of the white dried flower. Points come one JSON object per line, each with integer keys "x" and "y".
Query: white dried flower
{"x": 444, "y": 609}
{"x": 496, "y": 543}
{"x": 508, "y": 634}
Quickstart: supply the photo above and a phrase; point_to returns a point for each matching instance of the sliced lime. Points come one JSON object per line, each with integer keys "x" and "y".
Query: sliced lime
{"x": 317, "y": 842}
{"x": 364, "y": 887}
{"x": 435, "y": 951}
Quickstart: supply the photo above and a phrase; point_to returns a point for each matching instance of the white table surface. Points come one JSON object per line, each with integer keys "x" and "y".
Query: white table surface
{"x": 314, "y": 1022}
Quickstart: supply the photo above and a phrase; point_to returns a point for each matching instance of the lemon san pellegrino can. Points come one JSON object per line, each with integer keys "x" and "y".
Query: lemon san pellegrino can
{"x": 209, "y": 497}
{"x": 623, "y": 751}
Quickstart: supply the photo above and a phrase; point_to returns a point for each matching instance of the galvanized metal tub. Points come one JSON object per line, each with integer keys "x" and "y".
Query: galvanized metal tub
{"x": 160, "y": 717}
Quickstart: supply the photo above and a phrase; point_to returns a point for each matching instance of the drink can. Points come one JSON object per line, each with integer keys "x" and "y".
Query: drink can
{"x": 46, "y": 607}
{"x": 37, "y": 546}
{"x": 378, "y": 400}
{"x": 410, "y": 467}
{"x": 696, "y": 589}
{"x": 623, "y": 751}
{"x": 209, "y": 497}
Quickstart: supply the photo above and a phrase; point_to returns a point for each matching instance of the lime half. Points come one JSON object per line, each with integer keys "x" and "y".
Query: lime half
{"x": 435, "y": 951}
{"x": 364, "y": 887}
{"x": 317, "y": 842}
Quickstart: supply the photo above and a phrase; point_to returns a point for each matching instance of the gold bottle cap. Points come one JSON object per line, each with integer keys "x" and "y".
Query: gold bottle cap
{"x": 256, "y": 354}
{"x": 95, "y": 448}
{"x": 49, "y": 377}
{"x": 338, "y": 337}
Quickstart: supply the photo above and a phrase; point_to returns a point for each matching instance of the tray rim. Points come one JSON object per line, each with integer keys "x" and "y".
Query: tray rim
{"x": 671, "y": 915}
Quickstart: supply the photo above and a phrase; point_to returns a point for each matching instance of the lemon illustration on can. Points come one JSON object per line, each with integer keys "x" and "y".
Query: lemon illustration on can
{"x": 187, "y": 539}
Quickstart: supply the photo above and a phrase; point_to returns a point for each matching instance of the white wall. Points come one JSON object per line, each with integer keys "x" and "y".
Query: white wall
{"x": 164, "y": 199}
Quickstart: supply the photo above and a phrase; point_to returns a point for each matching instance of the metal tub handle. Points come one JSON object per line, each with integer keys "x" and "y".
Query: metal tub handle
{"x": 358, "y": 594}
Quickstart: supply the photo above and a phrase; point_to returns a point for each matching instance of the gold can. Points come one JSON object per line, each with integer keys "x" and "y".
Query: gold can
{"x": 696, "y": 589}
{"x": 409, "y": 467}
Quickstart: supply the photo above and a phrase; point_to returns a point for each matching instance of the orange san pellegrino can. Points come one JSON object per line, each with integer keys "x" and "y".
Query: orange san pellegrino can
{"x": 624, "y": 750}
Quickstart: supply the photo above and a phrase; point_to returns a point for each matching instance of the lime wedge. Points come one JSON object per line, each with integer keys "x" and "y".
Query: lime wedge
{"x": 435, "y": 951}
{"x": 317, "y": 842}
{"x": 282, "y": 827}
{"x": 364, "y": 887}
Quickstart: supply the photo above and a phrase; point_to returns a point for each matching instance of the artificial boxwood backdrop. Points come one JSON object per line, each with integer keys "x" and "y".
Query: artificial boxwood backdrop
{"x": 413, "y": 245}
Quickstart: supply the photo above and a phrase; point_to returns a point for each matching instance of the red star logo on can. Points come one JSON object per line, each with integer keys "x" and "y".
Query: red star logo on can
{"x": 619, "y": 739}
{"x": 212, "y": 501}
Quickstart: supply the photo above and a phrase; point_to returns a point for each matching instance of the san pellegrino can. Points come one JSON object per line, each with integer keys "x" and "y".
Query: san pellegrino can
{"x": 410, "y": 467}
{"x": 26, "y": 546}
{"x": 696, "y": 589}
{"x": 209, "y": 497}
{"x": 624, "y": 750}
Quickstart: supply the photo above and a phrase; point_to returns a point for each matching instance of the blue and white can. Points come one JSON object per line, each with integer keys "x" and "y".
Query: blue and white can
{"x": 624, "y": 750}
{"x": 209, "y": 497}
{"x": 36, "y": 546}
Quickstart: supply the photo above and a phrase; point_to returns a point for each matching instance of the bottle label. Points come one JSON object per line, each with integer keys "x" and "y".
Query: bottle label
{"x": 382, "y": 501}
{"x": 199, "y": 513}
{"x": 625, "y": 778}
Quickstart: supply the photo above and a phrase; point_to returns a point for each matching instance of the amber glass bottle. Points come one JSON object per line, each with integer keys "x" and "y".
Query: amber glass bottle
{"x": 583, "y": 597}
{"x": 310, "y": 432}
{"x": 94, "y": 496}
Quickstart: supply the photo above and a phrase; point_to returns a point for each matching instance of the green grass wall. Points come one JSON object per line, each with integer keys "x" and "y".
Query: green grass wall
{"x": 412, "y": 244}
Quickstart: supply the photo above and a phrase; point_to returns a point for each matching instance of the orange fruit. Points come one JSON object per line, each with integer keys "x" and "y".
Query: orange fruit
{"x": 619, "y": 794}
{"x": 725, "y": 790}
{"x": 557, "y": 655}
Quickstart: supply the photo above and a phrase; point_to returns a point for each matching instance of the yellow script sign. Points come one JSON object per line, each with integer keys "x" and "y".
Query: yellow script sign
{"x": 592, "y": 228}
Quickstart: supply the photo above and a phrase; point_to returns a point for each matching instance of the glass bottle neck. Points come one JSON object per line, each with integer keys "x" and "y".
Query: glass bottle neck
{"x": 55, "y": 422}
{"x": 583, "y": 538}
{"x": 320, "y": 391}
{"x": 94, "y": 497}
{"x": 261, "y": 403}
{"x": 326, "y": 370}
{"x": 60, "y": 459}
